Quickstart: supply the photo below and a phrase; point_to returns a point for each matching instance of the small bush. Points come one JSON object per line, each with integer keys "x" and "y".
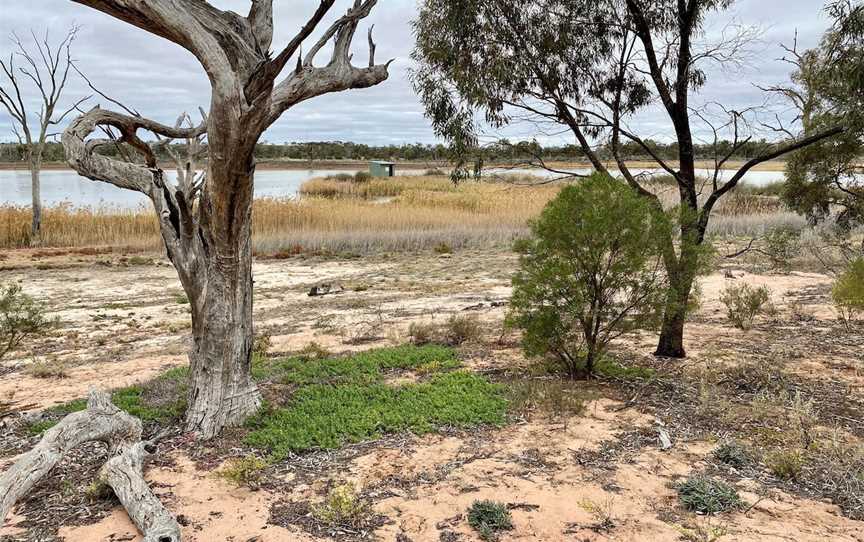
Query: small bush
{"x": 743, "y": 303}
{"x": 781, "y": 245}
{"x": 48, "y": 368}
{"x": 462, "y": 329}
{"x": 489, "y": 518}
{"x": 243, "y": 471}
{"x": 732, "y": 453}
{"x": 785, "y": 464}
{"x": 443, "y": 248}
{"x": 422, "y": 332}
{"x": 554, "y": 398}
{"x": 261, "y": 344}
{"x": 708, "y": 496}
{"x": 362, "y": 177}
{"x": 343, "y": 507}
{"x": 20, "y": 317}
{"x": 591, "y": 271}
{"x": 848, "y": 292}
{"x": 314, "y": 351}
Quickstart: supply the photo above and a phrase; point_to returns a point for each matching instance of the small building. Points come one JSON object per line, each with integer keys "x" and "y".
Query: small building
{"x": 378, "y": 168}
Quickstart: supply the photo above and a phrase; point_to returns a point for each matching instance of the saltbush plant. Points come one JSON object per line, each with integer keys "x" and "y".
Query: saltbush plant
{"x": 848, "y": 292}
{"x": 708, "y": 496}
{"x": 743, "y": 303}
{"x": 489, "y": 518}
{"x": 590, "y": 272}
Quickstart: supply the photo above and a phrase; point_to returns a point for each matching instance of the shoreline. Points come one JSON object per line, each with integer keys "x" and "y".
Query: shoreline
{"x": 297, "y": 165}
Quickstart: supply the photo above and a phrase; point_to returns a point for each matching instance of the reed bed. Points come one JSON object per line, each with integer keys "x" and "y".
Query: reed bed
{"x": 398, "y": 214}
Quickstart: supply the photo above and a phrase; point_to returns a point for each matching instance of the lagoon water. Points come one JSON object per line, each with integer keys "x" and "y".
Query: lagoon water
{"x": 67, "y": 187}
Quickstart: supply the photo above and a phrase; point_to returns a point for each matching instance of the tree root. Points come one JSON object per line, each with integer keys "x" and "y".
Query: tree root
{"x": 123, "y": 472}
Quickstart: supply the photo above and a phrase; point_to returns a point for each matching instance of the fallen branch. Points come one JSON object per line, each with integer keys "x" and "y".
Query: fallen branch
{"x": 102, "y": 421}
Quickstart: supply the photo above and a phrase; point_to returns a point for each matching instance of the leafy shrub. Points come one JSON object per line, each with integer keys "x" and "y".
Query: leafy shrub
{"x": 243, "y": 471}
{"x": 590, "y": 272}
{"x": 785, "y": 464}
{"x": 848, "y": 292}
{"x": 489, "y": 518}
{"x": 743, "y": 303}
{"x": 707, "y": 496}
{"x": 343, "y": 507}
{"x": 362, "y": 177}
{"x": 732, "y": 453}
{"x": 461, "y": 329}
{"x": 314, "y": 351}
{"x": 443, "y": 248}
{"x": 781, "y": 245}
{"x": 20, "y": 317}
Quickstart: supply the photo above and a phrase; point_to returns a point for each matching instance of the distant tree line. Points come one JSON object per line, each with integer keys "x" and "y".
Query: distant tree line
{"x": 501, "y": 151}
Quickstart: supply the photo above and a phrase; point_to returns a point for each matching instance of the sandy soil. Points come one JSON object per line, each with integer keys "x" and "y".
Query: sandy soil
{"x": 122, "y": 323}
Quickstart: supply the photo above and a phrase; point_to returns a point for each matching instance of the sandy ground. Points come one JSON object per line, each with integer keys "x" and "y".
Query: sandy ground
{"x": 121, "y": 324}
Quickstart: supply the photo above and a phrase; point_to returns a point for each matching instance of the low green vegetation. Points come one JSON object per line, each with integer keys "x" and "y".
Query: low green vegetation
{"x": 160, "y": 400}
{"x": 489, "y": 518}
{"x": 345, "y": 508}
{"x": 328, "y": 416}
{"x": 732, "y": 453}
{"x": 744, "y": 302}
{"x": 708, "y": 496}
{"x": 243, "y": 471}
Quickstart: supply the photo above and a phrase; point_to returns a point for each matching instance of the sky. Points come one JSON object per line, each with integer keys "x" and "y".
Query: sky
{"x": 161, "y": 80}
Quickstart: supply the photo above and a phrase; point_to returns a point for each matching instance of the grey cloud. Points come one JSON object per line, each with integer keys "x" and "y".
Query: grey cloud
{"x": 161, "y": 80}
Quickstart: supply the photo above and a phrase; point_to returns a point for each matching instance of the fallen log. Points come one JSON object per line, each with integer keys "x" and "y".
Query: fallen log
{"x": 102, "y": 421}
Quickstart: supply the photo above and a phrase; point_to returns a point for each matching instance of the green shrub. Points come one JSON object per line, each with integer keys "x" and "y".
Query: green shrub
{"x": 732, "y": 453}
{"x": 590, "y": 272}
{"x": 243, "y": 471}
{"x": 785, "y": 464}
{"x": 362, "y": 177}
{"x": 708, "y": 496}
{"x": 781, "y": 245}
{"x": 443, "y": 248}
{"x": 848, "y": 292}
{"x": 489, "y": 518}
{"x": 422, "y": 332}
{"x": 344, "y": 508}
{"x": 743, "y": 303}
{"x": 20, "y": 317}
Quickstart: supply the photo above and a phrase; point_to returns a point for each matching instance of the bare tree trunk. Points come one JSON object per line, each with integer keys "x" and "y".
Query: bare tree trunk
{"x": 36, "y": 226}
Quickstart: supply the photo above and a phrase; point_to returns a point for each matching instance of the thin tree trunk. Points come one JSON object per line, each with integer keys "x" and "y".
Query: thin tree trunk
{"x": 36, "y": 226}
{"x": 671, "y": 342}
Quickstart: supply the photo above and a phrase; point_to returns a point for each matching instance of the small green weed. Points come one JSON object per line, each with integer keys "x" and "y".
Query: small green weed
{"x": 785, "y": 464}
{"x": 489, "y": 518}
{"x": 243, "y": 471}
{"x": 708, "y": 496}
{"x": 344, "y": 507}
{"x": 732, "y": 453}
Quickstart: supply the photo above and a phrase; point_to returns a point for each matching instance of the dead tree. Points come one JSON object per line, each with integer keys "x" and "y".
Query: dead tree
{"x": 47, "y": 71}
{"x": 100, "y": 422}
{"x": 206, "y": 226}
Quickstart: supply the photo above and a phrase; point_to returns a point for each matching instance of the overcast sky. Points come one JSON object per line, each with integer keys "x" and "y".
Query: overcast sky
{"x": 160, "y": 79}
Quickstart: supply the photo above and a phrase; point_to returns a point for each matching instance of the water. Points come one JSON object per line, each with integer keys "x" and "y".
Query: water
{"x": 66, "y": 187}
{"x": 753, "y": 178}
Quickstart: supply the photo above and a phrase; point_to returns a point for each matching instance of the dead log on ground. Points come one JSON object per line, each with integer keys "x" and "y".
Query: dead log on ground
{"x": 102, "y": 421}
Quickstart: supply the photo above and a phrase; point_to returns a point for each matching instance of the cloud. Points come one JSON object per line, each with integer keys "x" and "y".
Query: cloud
{"x": 161, "y": 79}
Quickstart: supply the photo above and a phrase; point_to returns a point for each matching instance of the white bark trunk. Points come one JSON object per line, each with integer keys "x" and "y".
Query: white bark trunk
{"x": 102, "y": 422}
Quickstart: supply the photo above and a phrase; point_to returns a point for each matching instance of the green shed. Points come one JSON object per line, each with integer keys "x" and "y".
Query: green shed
{"x": 378, "y": 168}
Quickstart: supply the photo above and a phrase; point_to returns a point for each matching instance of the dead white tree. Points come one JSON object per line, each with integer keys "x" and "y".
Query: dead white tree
{"x": 205, "y": 219}
{"x": 46, "y": 70}
{"x": 206, "y": 225}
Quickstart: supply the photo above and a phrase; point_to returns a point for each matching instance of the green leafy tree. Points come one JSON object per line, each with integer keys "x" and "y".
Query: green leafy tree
{"x": 827, "y": 88}
{"x": 848, "y": 292}
{"x": 590, "y": 66}
{"x": 591, "y": 271}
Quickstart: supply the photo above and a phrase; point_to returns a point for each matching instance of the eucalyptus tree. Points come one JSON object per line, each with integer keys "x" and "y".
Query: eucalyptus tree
{"x": 590, "y": 67}
{"x": 44, "y": 69}
{"x": 205, "y": 221}
{"x": 828, "y": 88}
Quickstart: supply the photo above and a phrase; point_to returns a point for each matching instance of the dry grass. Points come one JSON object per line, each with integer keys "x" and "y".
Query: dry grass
{"x": 398, "y": 214}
